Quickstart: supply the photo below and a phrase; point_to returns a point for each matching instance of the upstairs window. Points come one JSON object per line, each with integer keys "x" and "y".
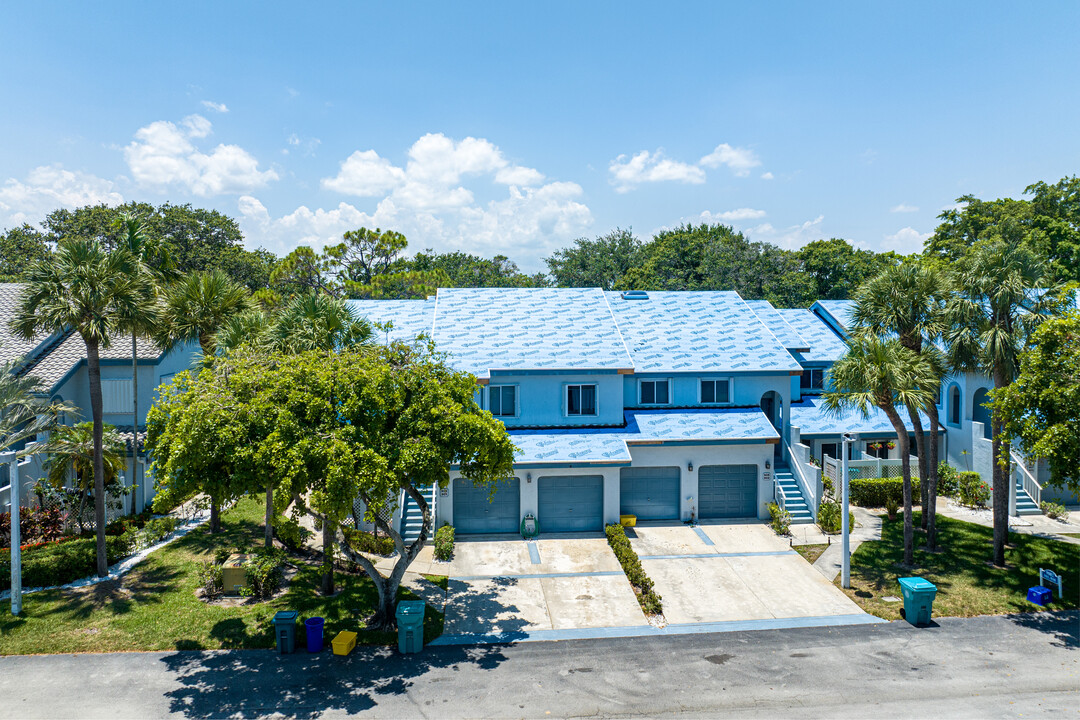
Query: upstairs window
{"x": 954, "y": 405}
{"x": 715, "y": 391}
{"x": 502, "y": 400}
{"x": 655, "y": 392}
{"x": 812, "y": 379}
{"x": 580, "y": 399}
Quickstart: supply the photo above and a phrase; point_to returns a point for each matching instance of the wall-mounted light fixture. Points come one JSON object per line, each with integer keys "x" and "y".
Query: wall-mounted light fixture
{"x": 690, "y": 467}
{"x": 528, "y": 477}
{"x": 767, "y": 466}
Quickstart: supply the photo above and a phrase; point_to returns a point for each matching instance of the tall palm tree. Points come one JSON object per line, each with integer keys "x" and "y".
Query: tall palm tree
{"x": 907, "y": 302}
{"x": 196, "y": 308}
{"x": 1002, "y": 292}
{"x": 71, "y": 455}
{"x": 82, "y": 288}
{"x": 884, "y": 374}
{"x": 24, "y": 414}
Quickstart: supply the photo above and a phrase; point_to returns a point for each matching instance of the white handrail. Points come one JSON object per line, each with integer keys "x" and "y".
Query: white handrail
{"x": 811, "y": 496}
{"x": 778, "y": 493}
{"x": 1031, "y": 485}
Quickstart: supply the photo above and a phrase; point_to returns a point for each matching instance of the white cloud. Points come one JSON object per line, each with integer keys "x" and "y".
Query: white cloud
{"x": 904, "y": 208}
{"x": 364, "y": 174}
{"x": 789, "y": 238}
{"x": 518, "y": 175}
{"x": 163, "y": 155}
{"x": 216, "y": 107}
{"x": 626, "y": 173}
{"x": 740, "y": 160}
{"x": 905, "y": 241}
{"x": 766, "y": 176}
{"x": 51, "y": 186}
{"x": 733, "y": 215}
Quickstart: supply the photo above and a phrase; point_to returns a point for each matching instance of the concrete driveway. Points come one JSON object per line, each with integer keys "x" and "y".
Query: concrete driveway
{"x": 733, "y": 571}
{"x": 503, "y": 586}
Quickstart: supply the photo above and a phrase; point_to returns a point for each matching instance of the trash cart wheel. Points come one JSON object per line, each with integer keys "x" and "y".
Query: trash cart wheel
{"x": 903, "y": 615}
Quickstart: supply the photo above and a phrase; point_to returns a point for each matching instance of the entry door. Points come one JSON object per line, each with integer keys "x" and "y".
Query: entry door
{"x": 571, "y": 503}
{"x": 727, "y": 491}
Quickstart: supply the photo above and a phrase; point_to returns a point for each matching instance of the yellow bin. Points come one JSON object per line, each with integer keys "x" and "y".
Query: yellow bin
{"x": 344, "y": 643}
{"x": 628, "y": 520}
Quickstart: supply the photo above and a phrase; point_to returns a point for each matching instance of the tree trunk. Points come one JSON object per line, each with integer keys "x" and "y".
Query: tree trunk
{"x": 270, "y": 516}
{"x": 920, "y": 448}
{"x": 135, "y": 509}
{"x": 905, "y": 464}
{"x": 932, "y": 461}
{"x": 328, "y": 536}
{"x": 93, "y": 368}
{"x": 215, "y": 515}
{"x": 1001, "y": 477}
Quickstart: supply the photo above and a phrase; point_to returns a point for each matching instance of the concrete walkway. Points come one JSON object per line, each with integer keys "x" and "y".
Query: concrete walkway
{"x": 1039, "y": 525}
{"x": 867, "y": 527}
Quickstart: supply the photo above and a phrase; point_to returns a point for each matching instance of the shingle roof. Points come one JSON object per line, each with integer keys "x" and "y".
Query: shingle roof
{"x": 702, "y": 331}
{"x": 486, "y": 329}
{"x": 811, "y": 418}
{"x": 776, "y": 324}
{"x": 825, "y": 345}
{"x": 12, "y": 347}
{"x": 56, "y": 362}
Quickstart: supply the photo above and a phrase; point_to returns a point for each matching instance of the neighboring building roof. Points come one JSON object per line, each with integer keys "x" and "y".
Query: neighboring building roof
{"x": 697, "y": 331}
{"x": 492, "y": 329}
{"x": 650, "y": 427}
{"x": 825, "y": 344}
{"x": 835, "y": 312}
{"x": 13, "y": 347}
{"x": 812, "y": 419}
{"x": 776, "y": 324}
{"x": 56, "y": 362}
{"x": 408, "y": 318}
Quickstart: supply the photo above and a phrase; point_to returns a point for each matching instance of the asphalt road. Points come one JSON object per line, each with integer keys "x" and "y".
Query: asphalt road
{"x": 1025, "y": 665}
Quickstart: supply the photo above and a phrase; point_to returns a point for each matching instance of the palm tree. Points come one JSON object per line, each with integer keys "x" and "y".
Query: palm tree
{"x": 71, "y": 454}
{"x": 1002, "y": 292}
{"x": 196, "y": 308}
{"x": 82, "y": 288}
{"x": 318, "y": 322}
{"x": 882, "y": 373}
{"x": 907, "y": 302}
{"x": 24, "y": 414}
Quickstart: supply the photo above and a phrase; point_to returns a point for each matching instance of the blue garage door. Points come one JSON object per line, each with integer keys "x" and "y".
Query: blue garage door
{"x": 650, "y": 493}
{"x": 474, "y": 513}
{"x": 572, "y": 503}
{"x": 727, "y": 491}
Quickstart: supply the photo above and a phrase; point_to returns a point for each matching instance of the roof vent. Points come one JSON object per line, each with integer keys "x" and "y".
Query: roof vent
{"x": 635, "y": 295}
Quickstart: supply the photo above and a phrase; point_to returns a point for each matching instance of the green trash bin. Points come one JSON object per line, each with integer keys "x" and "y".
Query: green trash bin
{"x": 410, "y": 623}
{"x": 285, "y": 630}
{"x": 918, "y": 599}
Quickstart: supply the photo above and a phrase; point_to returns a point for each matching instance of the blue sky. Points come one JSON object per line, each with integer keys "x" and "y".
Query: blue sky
{"x": 513, "y": 129}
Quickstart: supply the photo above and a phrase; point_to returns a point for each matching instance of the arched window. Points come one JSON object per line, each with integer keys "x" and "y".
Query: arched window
{"x": 954, "y": 405}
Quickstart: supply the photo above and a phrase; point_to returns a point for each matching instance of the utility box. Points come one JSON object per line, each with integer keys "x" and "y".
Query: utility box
{"x": 234, "y": 574}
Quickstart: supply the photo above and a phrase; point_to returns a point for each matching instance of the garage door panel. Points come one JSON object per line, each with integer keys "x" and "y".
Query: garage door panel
{"x": 650, "y": 493}
{"x": 475, "y": 511}
{"x": 727, "y": 491}
{"x": 571, "y": 503}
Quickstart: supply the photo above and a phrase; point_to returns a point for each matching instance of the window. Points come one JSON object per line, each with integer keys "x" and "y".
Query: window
{"x": 715, "y": 391}
{"x": 655, "y": 392}
{"x": 116, "y": 396}
{"x": 812, "y": 379}
{"x": 580, "y": 399}
{"x": 937, "y": 396}
{"x": 502, "y": 400}
{"x": 954, "y": 405}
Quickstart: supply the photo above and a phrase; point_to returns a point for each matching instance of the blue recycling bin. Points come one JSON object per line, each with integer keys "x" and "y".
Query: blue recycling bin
{"x": 1039, "y": 595}
{"x": 918, "y": 599}
{"x": 313, "y": 629}
{"x": 285, "y": 631}
{"x": 410, "y": 623}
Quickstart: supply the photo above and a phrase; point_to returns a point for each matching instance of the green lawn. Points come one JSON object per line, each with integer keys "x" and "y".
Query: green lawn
{"x": 967, "y": 583}
{"x": 811, "y": 552}
{"x": 154, "y": 606}
{"x": 1072, "y": 535}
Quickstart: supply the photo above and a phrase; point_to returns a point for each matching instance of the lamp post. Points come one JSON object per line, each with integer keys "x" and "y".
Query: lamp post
{"x": 845, "y": 452}
{"x": 11, "y": 460}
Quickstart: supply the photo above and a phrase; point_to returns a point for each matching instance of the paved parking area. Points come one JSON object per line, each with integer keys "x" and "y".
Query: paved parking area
{"x": 733, "y": 571}
{"x": 504, "y": 585}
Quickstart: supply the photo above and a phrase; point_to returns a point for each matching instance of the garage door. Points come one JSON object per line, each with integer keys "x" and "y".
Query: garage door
{"x": 650, "y": 493}
{"x": 473, "y": 513}
{"x": 573, "y": 503}
{"x": 727, "y": 491}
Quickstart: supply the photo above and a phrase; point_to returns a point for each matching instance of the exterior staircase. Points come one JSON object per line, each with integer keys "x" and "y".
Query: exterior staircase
{"x": 411, "y": 518}
{"x": 793, "y": 497}
{"x": 1024, "y": 504}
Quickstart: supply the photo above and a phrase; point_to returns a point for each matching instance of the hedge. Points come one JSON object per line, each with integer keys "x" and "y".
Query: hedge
{"x": 620, "y": 544}
{"x": 61, "y": 563}
{"x": 874, "y": 492}
{"x": 444, "y": 542}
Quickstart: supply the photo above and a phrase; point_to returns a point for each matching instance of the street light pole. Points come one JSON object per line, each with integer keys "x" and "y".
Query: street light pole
{"x": 845, "y": 451}
{"x": 12, "y": 461}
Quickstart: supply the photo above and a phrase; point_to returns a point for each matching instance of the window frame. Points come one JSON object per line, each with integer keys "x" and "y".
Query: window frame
{"x": 670, "y": 387}
{"x": 579, "y": 385}
{"x": 956, "y": 408}
{"x": 730, "y": 391}
{"x": 517, "y": 399}
{"x": 808, "y": 372}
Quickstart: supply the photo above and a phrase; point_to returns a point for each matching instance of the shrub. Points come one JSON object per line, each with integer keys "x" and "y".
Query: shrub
{"x": 154, "y": 532}
{"x": 62, "y": 562}
{"x": 891, "y": 506}
{"x": 620, "y": 544}
{"x": 780, "y": 519}
{"x": 444, "y": 542}
{"x": 265, "y": 572}
{"x": 948, "y": 480}
{"x": 211, "y": 578}
{"x": 973, "y": 491}
{"x": 875, "y": 492}
{"x": 1054, "y": 510}
{"x": 35, "y": 525}
{"x": 221, "y": 555}
{"x": 290, "y": 532}
{"x": 367, "y": 542}
{"x": 830, "y": 517}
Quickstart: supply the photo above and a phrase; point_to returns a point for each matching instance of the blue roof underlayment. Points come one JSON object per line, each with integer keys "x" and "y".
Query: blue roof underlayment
{"x": 825, "y": 345}
{"x": 610, "y": 445}
{"x": 408, "y": 318}
{"x": 490, "y": 329}
{"x": 835, "y": 312}
{"x": 776, "y": 324}
{"x": 812, "y": 419}
{"x": 697, "y": 332}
